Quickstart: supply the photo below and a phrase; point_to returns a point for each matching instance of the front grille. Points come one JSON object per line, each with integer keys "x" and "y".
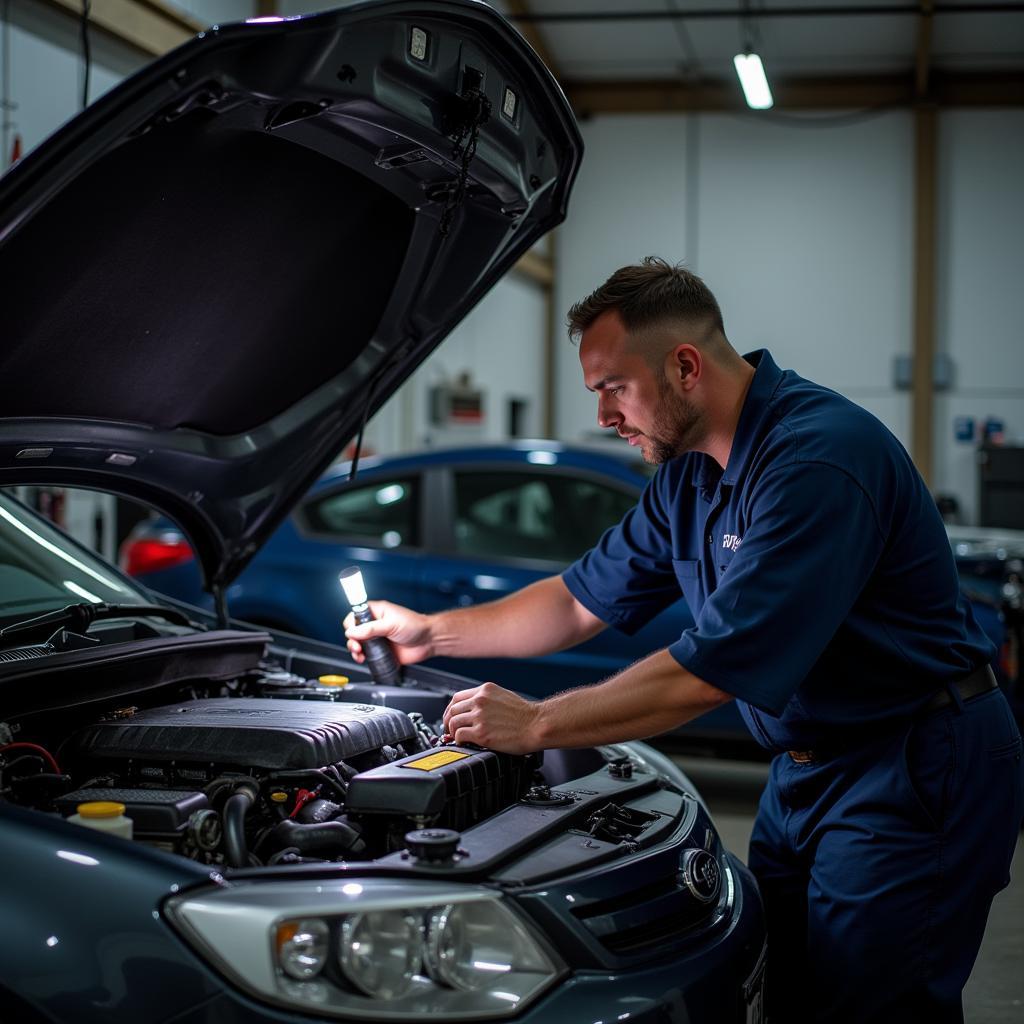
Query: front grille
{"x": 646, "y": 918}
{"x": 646, "y": 937}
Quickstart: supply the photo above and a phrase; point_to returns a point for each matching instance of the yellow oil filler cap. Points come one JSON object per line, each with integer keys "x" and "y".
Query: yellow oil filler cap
{"x": 333, "y": 680}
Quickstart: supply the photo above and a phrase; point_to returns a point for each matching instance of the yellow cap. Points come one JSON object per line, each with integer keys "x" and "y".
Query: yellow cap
{"x": 279, "y": 796}
{"x": 333, "y": 680}
{"x": 101, "y": 809}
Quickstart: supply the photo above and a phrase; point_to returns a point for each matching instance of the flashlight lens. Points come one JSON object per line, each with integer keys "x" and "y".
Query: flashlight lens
{"x": 352, "y": 583}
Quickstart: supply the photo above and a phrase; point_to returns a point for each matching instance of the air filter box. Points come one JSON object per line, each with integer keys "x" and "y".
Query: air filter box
{"x": 450, "y": 787}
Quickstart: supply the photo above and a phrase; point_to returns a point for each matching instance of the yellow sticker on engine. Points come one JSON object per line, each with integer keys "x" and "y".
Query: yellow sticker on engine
{"x": 437, "y": 760}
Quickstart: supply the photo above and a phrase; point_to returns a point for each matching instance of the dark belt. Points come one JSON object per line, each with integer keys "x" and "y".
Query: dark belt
{"x": 980, "y": 681}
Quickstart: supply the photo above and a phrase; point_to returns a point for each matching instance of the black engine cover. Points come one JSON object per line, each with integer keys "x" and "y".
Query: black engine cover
{"x": 249, "y": 732}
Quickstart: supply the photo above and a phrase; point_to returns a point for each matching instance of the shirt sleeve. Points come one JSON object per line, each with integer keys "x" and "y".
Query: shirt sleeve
{"x": 810, "y": 546}
{"x": 627, "y": 578}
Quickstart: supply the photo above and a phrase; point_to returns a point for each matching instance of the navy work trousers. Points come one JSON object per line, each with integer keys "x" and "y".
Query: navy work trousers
{"x": 878, "y": 866}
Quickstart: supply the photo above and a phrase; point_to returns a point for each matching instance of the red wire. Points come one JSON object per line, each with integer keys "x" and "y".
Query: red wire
{"x": 41, "y": 751}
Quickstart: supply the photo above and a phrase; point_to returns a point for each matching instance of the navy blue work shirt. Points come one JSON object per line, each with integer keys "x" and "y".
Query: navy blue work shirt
{"x": 816, "y": 567}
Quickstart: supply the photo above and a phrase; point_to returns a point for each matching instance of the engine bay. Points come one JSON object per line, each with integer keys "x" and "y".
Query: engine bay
{"x": 270, "y": 769}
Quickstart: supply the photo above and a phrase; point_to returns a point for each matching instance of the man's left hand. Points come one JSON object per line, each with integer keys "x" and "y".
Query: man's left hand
{"x": 491, "y": 716}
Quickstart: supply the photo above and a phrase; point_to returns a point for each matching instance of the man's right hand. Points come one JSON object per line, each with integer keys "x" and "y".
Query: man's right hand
{"x": 408, "y": 631}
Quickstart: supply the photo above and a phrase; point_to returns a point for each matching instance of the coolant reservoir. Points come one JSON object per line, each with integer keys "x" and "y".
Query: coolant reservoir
{"x": 104, "y": 816}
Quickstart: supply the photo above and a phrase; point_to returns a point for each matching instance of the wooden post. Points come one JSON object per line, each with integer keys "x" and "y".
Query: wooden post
{"x": 925, "y": 131}
{"x": 551, "y": 334}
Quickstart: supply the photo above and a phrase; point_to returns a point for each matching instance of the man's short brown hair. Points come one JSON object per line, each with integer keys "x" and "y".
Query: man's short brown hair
{"x": 646, "y": 294}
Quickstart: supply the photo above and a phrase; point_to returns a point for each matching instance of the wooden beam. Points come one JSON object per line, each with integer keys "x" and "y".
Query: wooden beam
{"x": 149, "y": 26}
{"x": 551, "y": 333}
{"x": 536, "y": 268}
{"x": 923, "y": 393}
{"x": 810, "y": 93}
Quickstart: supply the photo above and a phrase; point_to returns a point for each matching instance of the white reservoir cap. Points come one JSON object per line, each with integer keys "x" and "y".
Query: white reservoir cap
{"x": 351, "y": 580}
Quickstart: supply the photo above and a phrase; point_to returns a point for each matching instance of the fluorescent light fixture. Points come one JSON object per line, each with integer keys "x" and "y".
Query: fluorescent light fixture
{"x": 753, "y": 79}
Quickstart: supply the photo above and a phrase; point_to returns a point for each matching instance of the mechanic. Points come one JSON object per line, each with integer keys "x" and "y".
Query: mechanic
{"x": 826, "y": 602}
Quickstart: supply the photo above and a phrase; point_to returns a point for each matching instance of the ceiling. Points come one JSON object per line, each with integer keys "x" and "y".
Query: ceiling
{"x": 597, "y": 47}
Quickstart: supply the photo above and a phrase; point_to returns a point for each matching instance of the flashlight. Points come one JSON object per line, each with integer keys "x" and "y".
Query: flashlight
{"x": 380, "y": 658}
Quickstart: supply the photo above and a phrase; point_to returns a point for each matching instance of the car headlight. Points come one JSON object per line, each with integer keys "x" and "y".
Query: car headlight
{"x": 470, "y": 946}
{"x": 302, "y": 948}
{"x": 382, "y": 949}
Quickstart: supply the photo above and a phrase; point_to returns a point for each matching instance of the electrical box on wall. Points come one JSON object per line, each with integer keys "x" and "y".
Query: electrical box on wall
{"x": 457, "y": 404}
{"x": 903, "y": 372}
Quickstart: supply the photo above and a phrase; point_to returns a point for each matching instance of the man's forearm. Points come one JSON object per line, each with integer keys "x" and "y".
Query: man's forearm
{"x": 646, "y": 699}
{"x": 542, "y": 618}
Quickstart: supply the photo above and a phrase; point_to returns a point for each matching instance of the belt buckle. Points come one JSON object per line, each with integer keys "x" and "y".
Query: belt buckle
{"x": 802, "y": 756}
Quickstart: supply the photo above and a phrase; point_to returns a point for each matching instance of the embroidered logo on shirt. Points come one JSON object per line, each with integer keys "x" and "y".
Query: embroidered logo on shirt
{"x": 731, "y": 541}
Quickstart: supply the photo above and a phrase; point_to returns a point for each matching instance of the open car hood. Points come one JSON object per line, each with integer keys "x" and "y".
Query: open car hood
{"x": 217, "y": 272}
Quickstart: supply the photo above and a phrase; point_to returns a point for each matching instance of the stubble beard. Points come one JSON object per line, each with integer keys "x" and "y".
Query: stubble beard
{"x": 678, "y": 426}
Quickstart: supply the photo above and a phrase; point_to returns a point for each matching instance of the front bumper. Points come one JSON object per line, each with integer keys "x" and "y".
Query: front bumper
{"x": 703, "y": 987}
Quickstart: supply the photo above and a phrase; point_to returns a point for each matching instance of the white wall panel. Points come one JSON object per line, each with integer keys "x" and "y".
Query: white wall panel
{"x": 629, "y": 202}
{"x": 803, "y": 233}
{"x": 806, "y": 239}
{"x": 980, "y": 300}
{"x": 47, "y": 70}
{"x": 216, "y": 12}
{"x": 500, "y": 346}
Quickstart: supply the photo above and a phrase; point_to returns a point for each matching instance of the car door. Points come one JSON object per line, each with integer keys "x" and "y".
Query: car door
{"x": 373, "y": 522}
{"x": 509, "y": 525}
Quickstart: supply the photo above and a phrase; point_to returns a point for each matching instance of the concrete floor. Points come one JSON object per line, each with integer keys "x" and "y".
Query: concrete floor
{"x": 995, "y": 991}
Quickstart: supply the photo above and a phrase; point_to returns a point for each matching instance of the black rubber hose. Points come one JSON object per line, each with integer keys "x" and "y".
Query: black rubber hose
{"x": 235, "y": 851}
{"x": 327, "y": 838}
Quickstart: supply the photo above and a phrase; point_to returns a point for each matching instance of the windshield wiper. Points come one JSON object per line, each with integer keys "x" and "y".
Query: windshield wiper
{"x": 78, "y": 618}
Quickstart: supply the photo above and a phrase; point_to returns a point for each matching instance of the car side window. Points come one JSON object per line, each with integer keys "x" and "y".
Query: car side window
{"x": 593, "y": 508}
{"x": 380, "y": 513}
{"x": 543, "y": 516}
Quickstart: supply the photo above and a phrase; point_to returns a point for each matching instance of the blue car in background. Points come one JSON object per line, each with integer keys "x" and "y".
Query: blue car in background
{"x": 456, "y": 527}
{"x": 431, "y": 531}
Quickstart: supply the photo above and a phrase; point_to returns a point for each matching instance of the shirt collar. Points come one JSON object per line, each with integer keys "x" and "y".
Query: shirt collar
{"x": 767, "y": 377}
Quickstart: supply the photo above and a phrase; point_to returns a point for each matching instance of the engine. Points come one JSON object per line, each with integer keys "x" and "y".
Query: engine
{"x": 259, "y": 780}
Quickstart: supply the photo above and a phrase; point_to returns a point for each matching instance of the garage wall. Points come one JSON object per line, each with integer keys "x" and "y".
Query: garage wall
{"x": 500, "y": 348}
{"x": 803, "y": 233}
{"x": 803, "y": 230}
{"x": 803, "y": 227}
{"x": 46, "y": 71}
{"x": 630, "y": 200}
{"x": 980, "y": 299}
{"x": 216, "y": 11}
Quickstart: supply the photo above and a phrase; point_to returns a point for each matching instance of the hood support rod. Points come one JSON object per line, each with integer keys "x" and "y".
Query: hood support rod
{"x": 220, "y": 604}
